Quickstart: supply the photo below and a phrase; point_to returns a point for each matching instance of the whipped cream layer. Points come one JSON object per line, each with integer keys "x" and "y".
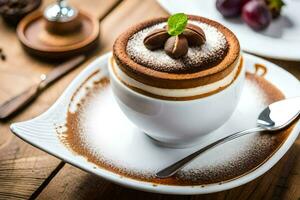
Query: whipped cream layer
{"x": 178, "y": 93}
{"x": 197, "y": 58}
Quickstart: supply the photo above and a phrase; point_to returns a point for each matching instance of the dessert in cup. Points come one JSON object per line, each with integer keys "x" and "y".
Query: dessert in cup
{"x": 177, "y": 78}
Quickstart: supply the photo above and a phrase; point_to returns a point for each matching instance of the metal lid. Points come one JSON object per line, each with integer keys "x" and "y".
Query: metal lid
{"x": 60, "y": 12}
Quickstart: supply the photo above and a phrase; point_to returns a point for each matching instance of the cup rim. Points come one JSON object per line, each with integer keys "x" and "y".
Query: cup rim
{"x": 119, "y": 82}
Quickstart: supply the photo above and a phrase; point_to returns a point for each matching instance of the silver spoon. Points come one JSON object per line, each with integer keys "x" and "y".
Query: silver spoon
{"x": 274, "y": 117}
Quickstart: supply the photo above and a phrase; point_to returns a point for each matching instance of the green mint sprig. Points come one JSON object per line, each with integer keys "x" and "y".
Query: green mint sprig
{"x": 177, "y": 24}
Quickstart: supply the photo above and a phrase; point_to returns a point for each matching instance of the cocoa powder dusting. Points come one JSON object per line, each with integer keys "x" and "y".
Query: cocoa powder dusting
{"x": 73, "y": 139}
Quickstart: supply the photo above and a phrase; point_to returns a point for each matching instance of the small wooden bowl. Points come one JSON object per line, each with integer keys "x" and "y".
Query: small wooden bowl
{"x": 38, "y": 41}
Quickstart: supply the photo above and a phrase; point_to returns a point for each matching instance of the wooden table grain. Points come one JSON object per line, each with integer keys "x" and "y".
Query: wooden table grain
{"x": 29, "y": 173}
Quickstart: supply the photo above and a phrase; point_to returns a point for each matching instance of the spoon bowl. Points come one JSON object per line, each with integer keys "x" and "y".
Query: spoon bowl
{"x": 279, "y": 114}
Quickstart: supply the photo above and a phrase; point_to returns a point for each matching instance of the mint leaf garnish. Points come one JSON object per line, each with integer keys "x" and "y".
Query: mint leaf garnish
{"x": 177, "y": 23}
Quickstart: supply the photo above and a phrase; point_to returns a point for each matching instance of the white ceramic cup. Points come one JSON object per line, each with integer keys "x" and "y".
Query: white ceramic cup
{"x": 177, "y": 123}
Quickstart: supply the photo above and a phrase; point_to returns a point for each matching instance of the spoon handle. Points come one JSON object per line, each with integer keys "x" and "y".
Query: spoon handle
{"x": 174, "y": 168}
{"x": 18, "y": 102}
{"x": 12, "y": 106}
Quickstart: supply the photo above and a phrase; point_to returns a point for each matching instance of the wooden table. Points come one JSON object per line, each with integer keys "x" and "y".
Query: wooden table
{"x": 27, "y": 172}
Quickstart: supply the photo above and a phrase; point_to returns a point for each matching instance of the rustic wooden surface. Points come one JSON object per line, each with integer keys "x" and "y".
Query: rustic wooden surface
{"x": 26, "y": 172}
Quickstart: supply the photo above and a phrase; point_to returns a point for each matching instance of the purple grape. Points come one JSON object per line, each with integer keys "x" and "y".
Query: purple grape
{"x": 229, "y": 8}
{"x": 256, "y": 14}
{"x": 244, "y": 3}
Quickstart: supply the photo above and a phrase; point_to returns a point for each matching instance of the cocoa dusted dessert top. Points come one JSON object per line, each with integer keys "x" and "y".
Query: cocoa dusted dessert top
{"x": 194, "y": 56}
{"x": 156, "y": 54}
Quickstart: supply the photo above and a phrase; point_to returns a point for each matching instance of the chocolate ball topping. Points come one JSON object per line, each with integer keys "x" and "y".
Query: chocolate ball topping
{"x": 156, "y": 39}
{"x": 195, "y": 35}
{"x": 175, "y": 46}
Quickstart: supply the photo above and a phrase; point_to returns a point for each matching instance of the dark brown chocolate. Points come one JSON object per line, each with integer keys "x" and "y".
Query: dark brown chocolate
{"x": 194, "y": 35}
{"x": 176, "y": 46}
{"x": 156, "y": 39}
